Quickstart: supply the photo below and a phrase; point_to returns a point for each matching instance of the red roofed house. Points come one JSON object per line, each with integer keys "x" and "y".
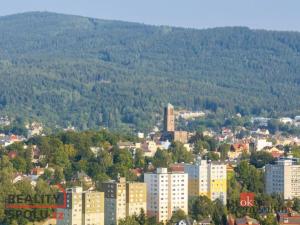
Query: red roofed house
{"x": 236, "y": 150}
{"x": 13, "y": 138}
{"x": 246, "y": 221}
{"x": 38, "y": 171}
{"x": 177, "y": 167}
{"x": 12, "y": 154}
{"x": 230, "y": 220}
{"x": 240, "y": 147}
{"x": 138, "y": 171}
{"x": 290, "y": 218}
{"x": 275, "y": 152}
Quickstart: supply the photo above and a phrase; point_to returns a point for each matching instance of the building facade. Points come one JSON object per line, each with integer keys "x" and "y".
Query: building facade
{"x": 93, "y": 208}
{"x": 283, "y": 178}
{"x": 123, "y": 199}
{"x": 181, "y": 136}
{"x": 72, "y": 214}
{"x": 83, "y": 208}
{"x": 136, "y": 198}
{"x": 167, "y": 192}
{"x": 207, "y": 179}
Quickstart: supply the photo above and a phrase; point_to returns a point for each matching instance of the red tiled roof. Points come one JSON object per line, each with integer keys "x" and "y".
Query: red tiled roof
{"x": 12, "y": 154}
{"x": 178, "y": 167}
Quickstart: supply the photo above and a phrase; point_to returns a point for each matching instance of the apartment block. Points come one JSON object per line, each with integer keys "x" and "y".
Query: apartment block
{"x": 136, "y": 198}
{"x": 283, "y": 178}
{"x": 72, "y": 214}
{"x": 207, "y": 179}
{"x": 83, "y": 208}
{"x": 123, "y": 199}
{"x": 93, "y": 208}
{"x": 167, "y": 192}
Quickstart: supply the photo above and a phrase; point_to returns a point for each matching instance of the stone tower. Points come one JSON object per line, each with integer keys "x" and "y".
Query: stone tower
{"x": 169, "y": 118}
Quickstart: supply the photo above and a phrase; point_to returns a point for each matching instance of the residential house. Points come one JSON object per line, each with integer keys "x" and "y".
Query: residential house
{"x": 262, "y": 143}
{"x": 82, "y": 177}
{"x": 12, "y": 154}
{"x": 4, "y": 121}
{"x": 286, "y": 120}
{"x": 34, "y": 129}
{"x": 207, "y": 221}
{"x": 18, "y": 177}
{"x": 290, "y": 218}
{"x": 246, "y": 221}
{"x": 137, "y": 172}
{"x": 180, "y": 136}
{"x": 237, "y": 149}
{"x": 126, "y": 145}
{"x": 37, "y": 171}
{"x": 149, "y": 148}
{"x": 274, "y": 151}
{"x": 186, "y": 222}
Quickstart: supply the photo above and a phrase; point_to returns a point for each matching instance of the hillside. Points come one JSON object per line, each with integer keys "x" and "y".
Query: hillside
{"x": 87, "y": 72}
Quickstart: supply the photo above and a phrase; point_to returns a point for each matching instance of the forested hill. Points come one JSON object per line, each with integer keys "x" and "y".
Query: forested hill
{"x": 87, "y": 72}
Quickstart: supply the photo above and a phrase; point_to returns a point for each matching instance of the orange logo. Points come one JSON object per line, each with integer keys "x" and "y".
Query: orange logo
{"x": 247, "y": 199}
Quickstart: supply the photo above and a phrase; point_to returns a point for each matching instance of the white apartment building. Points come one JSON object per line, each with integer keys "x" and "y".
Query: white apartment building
{"x": 283, "y": 178}
{"x": 167, "y": 192}
{"x": 207, "y": 179}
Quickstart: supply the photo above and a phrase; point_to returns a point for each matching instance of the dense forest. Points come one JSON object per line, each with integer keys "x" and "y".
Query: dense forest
{"x": 70, "y": 70}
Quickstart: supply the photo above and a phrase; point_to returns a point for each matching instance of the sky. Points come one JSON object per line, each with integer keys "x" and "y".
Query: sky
{"x": 257, "y": 14}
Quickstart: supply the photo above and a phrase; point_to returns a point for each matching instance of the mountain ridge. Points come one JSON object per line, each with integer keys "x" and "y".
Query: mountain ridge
{"x": 34, "y": 13}
{"x": 52, "y": 67}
